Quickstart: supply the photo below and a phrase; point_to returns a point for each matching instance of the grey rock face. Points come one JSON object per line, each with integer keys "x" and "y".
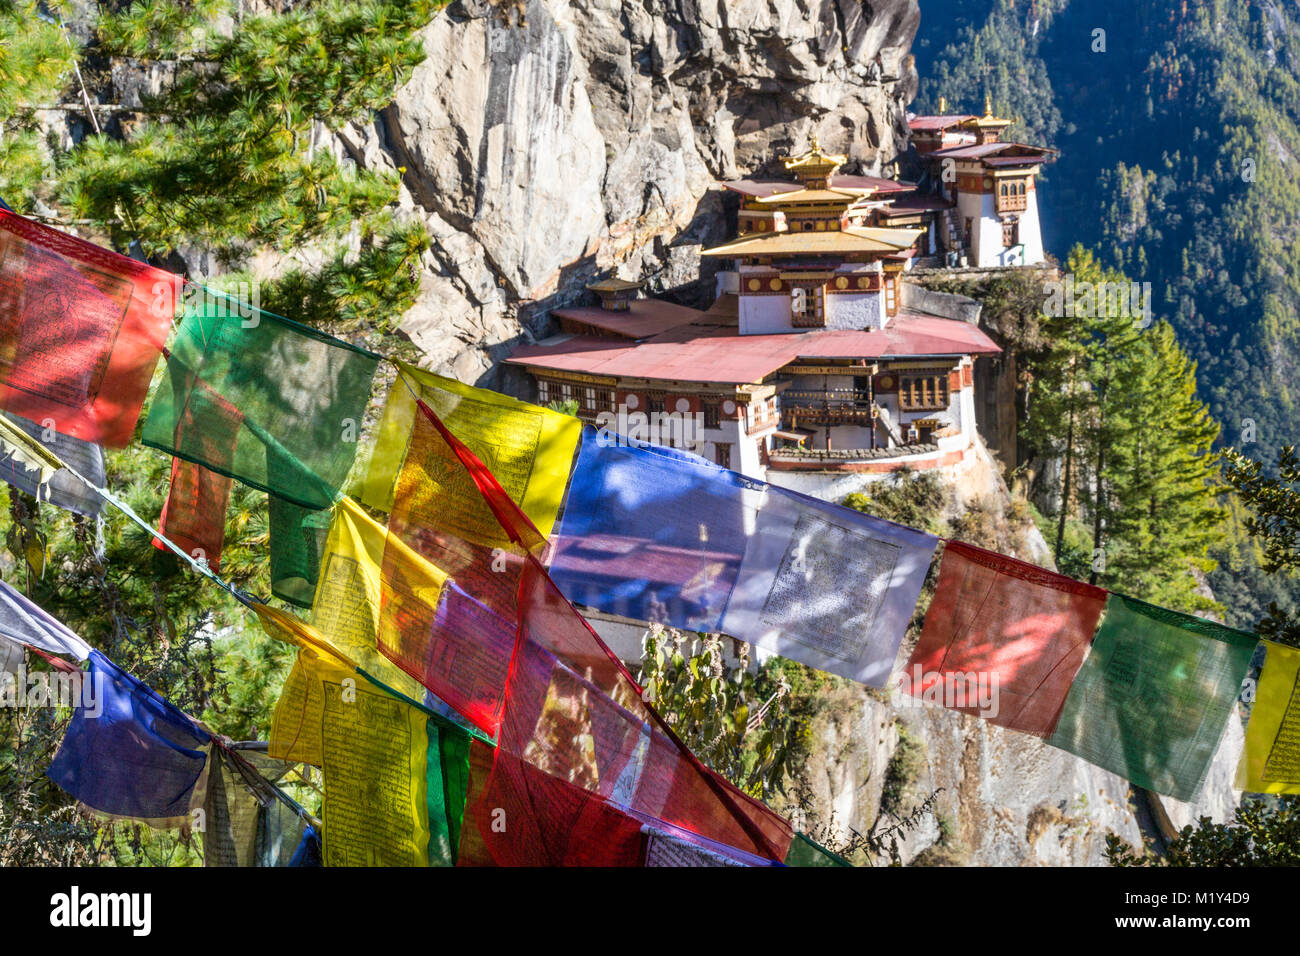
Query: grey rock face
{"x": 565, "y": 138}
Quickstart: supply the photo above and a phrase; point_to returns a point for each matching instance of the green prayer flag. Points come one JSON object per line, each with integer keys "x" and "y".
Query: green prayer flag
{"x": 805, "y": 852}
{"x": 292, "y": 397}
{"x": 297, "y": 543}
{"x": 448, "y": 783}
{"x": 1154, "y": 696}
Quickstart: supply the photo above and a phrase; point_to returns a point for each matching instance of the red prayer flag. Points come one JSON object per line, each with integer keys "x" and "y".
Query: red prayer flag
{"x": 1005, "y": 636}
{"x": 194, "y": 514}
{"x": 81, "y": 330}
{"x": 504, "y": 647}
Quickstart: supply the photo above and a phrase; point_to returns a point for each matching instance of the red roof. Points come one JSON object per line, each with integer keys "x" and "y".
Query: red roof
{"x": 761, "y": 189}
{"x": 915, "y": 203}
{"x": 1023, "y": 154}
{"x": 700, "y": 353}
{"x": 765, "y": 188}
{"x": 643, "y": 318}
{"x": 937, "y": 122}
{"x": 880, "y": 185}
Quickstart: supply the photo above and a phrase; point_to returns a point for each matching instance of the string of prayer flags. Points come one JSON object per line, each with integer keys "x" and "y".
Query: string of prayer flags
{"x": 1154, "y": 696}
{"x": 81, "y": 330}
{"x": 1003, "y": 639}
{"x": 292, "y": 398}
{"x": 538, "y": 646}
{"x": 60, "y": 488}
{"x": 528, "y": 449}
{"x": 1270, "y": 762}
{"x": 662, "y": 536}
{"x": 243, "y": 822}
{"x": 128, "y": 752}
{"x": 23, "y": 622}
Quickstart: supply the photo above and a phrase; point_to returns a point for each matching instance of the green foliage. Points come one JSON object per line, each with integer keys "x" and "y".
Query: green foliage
{"x": 915, "y": 499}
{"x": 222, "y": 158}
{"x": 230, "y": 163}
{"x": 1263, "y": 833}
{"x": 564, "y": 407}
{"x": 990, "y": 49}
{"x": 1177, "y": 165}
{"x": 902, "y": 771}
{"x": 35, "y": 66}
{"x": 1117, "y": 404}
{"x": 1273, "y": 521}
{"x": 738, "y": 722}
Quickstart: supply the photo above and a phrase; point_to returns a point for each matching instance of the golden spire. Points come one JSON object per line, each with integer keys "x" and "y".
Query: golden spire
{"x": 943, "y": 105}
{"x": 988, "y": 105}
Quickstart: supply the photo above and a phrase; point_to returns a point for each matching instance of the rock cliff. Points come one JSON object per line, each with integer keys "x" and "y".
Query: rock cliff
{"x": 548, "y": 141}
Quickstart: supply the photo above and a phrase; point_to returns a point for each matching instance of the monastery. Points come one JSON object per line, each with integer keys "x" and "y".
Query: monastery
{"x": 816, "y": 356}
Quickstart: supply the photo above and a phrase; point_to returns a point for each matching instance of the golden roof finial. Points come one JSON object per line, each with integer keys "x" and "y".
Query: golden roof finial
{"x": 943, "y": 105}
{"x": 988, "y": 105}
{"x": 816, "y": 144}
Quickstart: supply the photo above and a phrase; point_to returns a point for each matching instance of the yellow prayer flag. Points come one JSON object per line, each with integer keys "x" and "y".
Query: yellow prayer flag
{"x": 1270, "y": 762}
{"x": 373, "y": 750}
{"x": 349, "y": 591}
{"x": 528, "y": 448}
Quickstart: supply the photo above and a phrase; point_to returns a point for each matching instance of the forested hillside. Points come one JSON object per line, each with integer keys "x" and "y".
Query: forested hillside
{"x": 1179, "y": 130}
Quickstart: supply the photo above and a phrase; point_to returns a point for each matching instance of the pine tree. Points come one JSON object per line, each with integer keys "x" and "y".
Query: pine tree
{"x": 1167, "y": 514}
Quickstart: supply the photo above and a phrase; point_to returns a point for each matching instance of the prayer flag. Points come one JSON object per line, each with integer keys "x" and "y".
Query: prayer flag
{"x": 1270, "y": 762}
{"x": 528, "y": 449}
{"x": 81, "y": 330}
{"x": 387, "y": 741}
{"x": 292, "y": 398}
{"x": 657, "y": 535}
{"x": 128, "y": 752}
{"x": 666, "y": 846}
{"x": 806, "y": 852}
{"x": 1003, "y": 639}
{"x": 505, "y": 648}
{"x": 22, "y": 622}
{"x": 828, "y": 586}
{"x": 1153, "y": 697}
{"x": 229, "y": 819}
{"x": 61, "y": 488}
{"x": 194, "y": 514}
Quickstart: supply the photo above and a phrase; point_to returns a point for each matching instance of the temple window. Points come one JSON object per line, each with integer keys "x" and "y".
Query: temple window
{"x": 1010, "y": 233}
{"x": 929, "y": 392}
